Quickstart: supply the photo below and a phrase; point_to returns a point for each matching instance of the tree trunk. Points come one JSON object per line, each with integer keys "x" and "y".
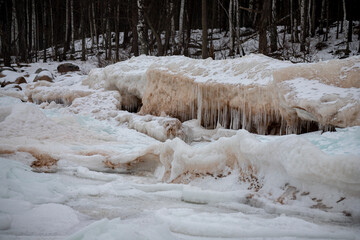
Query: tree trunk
{"x": 181, "y": 26}
{"x": 237, "y": 14}
{"x": 141, "y": 27}
{"x": 44, "y": 31}
{"x": 20, "y": 17}
{"x": 323, "y": 8}
{"x": 204, "y": 51}
{"x": 72, "y": 43}
{"x": 95, "y": 27}
{"x": 6, "y": 22}
{"x": 173, "y": 44}
{"x": 67, "y": 28}
{"x": 345, "y": 26}
{"x": 91, "y": 28}
{"x": 231, "y": 31}
{"x": 263, "y": 25}
{"x": 83, "y": 11}
{"x": 108, "y": 32}
{"x": 313, "y": 13}
{"x": 54, "y": 48}
{"x": 327, "y": 20}
{"x": 303, "y": 27}
{"x": 273, "y": 30}
{"x": 116, "y": 17}
{"x": 134, "y": 21}
{"x": 291, "y": 22}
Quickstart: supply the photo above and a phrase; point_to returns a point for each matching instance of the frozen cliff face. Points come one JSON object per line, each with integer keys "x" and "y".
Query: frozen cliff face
{"x": 256, "y": 93}
{"x": 234, "y": 93}
{"x": 128, "y": 77}
{"x": 325, "y": 92}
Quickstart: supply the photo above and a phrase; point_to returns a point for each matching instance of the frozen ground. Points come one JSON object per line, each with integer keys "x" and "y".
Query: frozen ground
{"x": 101, "y": 173}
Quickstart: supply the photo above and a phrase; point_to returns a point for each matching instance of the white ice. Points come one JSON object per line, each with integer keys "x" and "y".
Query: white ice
{"x": 122, "y": 175}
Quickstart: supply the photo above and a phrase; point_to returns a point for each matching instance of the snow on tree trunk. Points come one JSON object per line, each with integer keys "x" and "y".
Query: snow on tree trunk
{"x": 141, "y": 27}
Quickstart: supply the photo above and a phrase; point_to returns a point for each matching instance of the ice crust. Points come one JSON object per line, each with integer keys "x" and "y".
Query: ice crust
{"x": 194, "y": 182}
{"x": 256, "y": 93}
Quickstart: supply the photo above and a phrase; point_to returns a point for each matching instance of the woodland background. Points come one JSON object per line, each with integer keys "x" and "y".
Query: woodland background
{"x": 33, "y": 30}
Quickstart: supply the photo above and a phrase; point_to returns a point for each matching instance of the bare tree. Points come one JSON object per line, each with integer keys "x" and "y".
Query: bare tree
{"x": 5, "y": 23}
{"x": 180, "y": 39}
{"x": 303, "y": 27}
{"x": 273, "y": 28}
{"x": 72, "y": 43}
{"x": 231, "y": 31}
{"x": 205, "y": 53}
{"x": 141, "y": 27}
{"x": 263, "y": 48}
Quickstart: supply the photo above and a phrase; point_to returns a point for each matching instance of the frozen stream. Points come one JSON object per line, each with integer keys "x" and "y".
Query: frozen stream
{"x": 83, "y": 204}
{"x": 73, "y": 166}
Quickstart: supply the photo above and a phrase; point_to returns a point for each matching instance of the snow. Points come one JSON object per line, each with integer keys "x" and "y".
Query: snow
{"x": 114, "y": 174}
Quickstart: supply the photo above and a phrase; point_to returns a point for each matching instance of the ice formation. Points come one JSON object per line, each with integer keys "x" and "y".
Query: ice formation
{"x": 256, "y": 93}
{"x": 243, "y": 184}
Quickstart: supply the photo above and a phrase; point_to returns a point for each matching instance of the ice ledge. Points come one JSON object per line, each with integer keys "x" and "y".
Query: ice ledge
{"x": 255, "y": 92}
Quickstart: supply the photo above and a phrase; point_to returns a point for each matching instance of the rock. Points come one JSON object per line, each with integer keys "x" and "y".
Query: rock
{"x": 5, "y": 83}
{"x": 18, "y": 87}
{"x": 44, "y": 76}
{"x": 67, "y": 67}
{"x": 39, "y": 70}
{"x": 20, "y": 80}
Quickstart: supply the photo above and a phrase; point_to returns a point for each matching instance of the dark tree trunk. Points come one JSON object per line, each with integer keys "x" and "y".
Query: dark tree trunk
{"x": 6, "y": 22}
{"x": 264, "y": 20}
{"x": 273, "y": 28}
{"x": 20, "y": 16}
{"x": 44, "y": 31}
{"x": 204, "y": 51}
{"x": 134, "y": 20}
{"x": 83, "y": 11}
{"x": 116, "y": 17}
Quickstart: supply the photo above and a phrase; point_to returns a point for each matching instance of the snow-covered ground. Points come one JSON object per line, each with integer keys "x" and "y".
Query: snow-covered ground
{"x": 74, "y": 166}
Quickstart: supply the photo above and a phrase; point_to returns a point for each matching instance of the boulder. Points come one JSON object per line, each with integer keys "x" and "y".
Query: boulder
{"x": 18, "y": 87}
{"x": 67, "y": 67}
{"x": 44, "y": 76}
{"x": 39, "y": 70}
{"x": 20, "y": 80}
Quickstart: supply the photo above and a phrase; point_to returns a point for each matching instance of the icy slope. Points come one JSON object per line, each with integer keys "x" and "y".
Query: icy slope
{"x": 55, "y": 136}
